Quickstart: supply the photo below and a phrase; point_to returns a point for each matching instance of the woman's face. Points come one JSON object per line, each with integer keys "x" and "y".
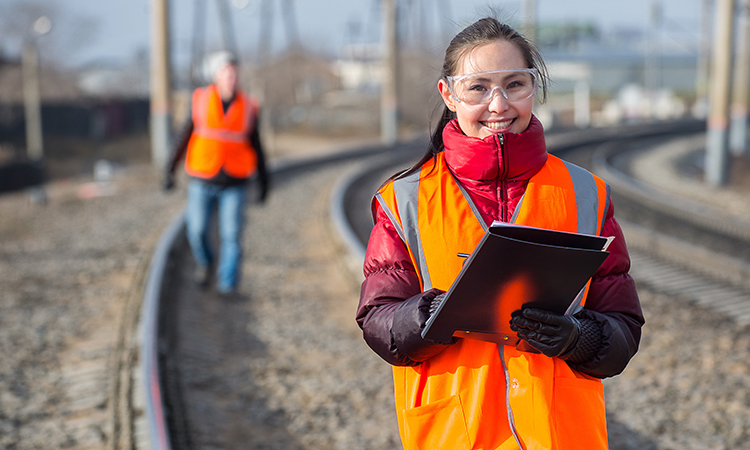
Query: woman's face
{"x": 499, "y": 115}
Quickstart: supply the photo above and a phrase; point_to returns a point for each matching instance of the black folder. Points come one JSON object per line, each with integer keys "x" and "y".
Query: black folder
{"x": 512, "y": 267}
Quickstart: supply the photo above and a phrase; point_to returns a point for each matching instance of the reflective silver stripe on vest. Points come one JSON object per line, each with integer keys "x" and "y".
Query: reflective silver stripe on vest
{"x": 473, "y": 207}
{"x": 587, "y": 198}
{"x": 219, "y": 135}
{"x": 407, "y": 198}
{"x": 508, "y": 409}
{"x": 200, "y": 120}
{"x": 606, "y": 208}
{"x": 391, "y": 216}
{"x": 587, "y": 211}
{"x": 407, "y": 201}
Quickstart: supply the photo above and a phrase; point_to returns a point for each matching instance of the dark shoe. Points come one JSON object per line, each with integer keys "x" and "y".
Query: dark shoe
{"x": 202, "y": 275}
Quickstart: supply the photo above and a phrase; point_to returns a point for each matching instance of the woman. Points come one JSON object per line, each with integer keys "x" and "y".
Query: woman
{"x": 488, "y": 161}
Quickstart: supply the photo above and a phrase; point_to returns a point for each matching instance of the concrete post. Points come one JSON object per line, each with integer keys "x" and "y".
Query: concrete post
{"x": 652, "y": 69}
{"x": 229, "y": 39}
{"x": 32, "y": 103}
{"x": 529, "y": 18}
{"x": 700, "y": 109}
{"x": 160, "y": 83}
{"x": 741, "y": 79}
{"x": 388, "y": 95}
{"x": 718, "y": 119}
{"x": 582, "y": 104}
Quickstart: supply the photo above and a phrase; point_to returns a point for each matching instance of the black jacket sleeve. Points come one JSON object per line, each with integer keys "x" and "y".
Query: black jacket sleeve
{"x": 392, "y": 310}
{"x": 262, "y": 170}
{"x": 179, "y": 150}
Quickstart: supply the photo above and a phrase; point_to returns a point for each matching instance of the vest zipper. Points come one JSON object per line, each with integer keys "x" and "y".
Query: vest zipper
{"x": 502, "y": 183}
{"x": 501, "y": 348}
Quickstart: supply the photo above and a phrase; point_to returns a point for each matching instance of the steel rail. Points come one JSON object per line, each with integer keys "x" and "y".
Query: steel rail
{"x": 700, "y": 274}
{"x": 158, "y": 430}
{"x": 150, "y": 376}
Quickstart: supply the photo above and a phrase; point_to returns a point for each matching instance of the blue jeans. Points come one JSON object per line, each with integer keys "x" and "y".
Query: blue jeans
{"x": 202, "y": 199}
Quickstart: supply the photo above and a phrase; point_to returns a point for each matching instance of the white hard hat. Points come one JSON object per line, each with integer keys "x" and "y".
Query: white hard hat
{"x": 217, "y": 60}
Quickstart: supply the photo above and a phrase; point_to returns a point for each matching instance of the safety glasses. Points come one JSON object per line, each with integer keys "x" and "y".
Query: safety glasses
{"x": 479, "y": 88}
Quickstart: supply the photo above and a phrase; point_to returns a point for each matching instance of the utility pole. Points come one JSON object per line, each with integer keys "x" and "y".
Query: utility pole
{"x": 266, "y": 30}
{"x": 31, "y": 85}
{"x": 444, "y": 10}
{"x": 529, "y": 19}
{"x": 160, "y": 82}
{"x": 741, "y": 78}
{"x": 388, "y": 95}
{"x": 704, "y": 58}
{"x": 653, "y": 50}
{"x": 582, "y": 103}
{"x": 227, "y": 28}
{"x": 718, "y": 120}
{"x": 290, "y": 23}
{"x": 32, "y": 102}
{"x": 197, "y": 72}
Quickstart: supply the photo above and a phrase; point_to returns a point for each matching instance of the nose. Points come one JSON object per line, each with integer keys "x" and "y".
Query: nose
{"x": 498, "y": 100}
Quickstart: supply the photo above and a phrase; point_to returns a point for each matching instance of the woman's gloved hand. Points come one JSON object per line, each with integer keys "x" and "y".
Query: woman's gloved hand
{"x": 409, "y": 320}
{"x": 551, "y": 333}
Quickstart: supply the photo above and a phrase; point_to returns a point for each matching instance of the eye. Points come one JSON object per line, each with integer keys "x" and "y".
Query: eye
{"x": 515, "y": 84}
{"x": 477, "y": 87}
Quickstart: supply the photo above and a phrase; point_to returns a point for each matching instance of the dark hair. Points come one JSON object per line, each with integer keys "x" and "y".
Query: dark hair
{"x": 481, "y": 32}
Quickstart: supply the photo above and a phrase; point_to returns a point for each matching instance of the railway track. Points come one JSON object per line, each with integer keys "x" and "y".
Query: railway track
{"x": 190, "y": 342}
{"x": 187, "y": 337}
{"x": 679, "y": 246}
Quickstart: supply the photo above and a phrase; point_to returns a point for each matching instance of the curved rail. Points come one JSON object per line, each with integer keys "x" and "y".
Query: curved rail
{"x": 728, "y": 268}
{"x": 556, "y": 142}
{"x": 158, "y": 430}
{"x": 683, "y": 208}
{"x": 150, "y": 374}
{"x": 155, "y": 406}
{"x": 697, "y": 271}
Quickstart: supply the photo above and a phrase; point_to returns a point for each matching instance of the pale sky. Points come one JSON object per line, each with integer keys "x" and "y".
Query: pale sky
{"x": 322, "y": 24}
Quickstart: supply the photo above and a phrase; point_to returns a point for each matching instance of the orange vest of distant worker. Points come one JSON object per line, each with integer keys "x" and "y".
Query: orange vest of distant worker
{"x": 476, "y": 394}
{"x": 221, "y": 140}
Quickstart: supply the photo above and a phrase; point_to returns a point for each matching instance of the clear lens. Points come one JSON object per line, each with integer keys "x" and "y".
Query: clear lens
{"x": 480, "y": 88}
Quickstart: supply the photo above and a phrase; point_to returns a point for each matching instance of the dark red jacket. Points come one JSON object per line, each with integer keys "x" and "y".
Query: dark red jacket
{"x": 391, "y": 305}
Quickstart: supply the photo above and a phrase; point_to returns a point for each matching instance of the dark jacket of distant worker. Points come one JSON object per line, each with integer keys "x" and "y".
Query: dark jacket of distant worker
{"x": 224, "y": 151}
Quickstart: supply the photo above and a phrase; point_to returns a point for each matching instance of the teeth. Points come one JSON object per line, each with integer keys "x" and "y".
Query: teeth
{"x": 497, "y": 125}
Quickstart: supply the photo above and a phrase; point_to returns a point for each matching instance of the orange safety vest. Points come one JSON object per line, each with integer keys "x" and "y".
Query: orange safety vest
{"x": 476, "y": 394}
{"x": 221, "y": 140}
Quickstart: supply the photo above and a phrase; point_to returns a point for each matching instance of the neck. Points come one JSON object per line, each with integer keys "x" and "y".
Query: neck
{"x": 226, "y": 94}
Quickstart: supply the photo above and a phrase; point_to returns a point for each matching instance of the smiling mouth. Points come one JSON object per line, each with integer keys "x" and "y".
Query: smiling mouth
{"x": 498, "y": 125}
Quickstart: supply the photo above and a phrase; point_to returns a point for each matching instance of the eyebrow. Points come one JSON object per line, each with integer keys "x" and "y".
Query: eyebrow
{"x": 482, "y": 76}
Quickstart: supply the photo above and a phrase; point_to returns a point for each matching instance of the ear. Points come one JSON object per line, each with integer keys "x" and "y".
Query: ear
{"x": 445, "y": 93}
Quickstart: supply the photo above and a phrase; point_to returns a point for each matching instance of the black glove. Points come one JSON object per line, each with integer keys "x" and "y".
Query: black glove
{"x": 168, "y": 182}
{"x": 409, "y": 320}
{"x": 550, "y": 333}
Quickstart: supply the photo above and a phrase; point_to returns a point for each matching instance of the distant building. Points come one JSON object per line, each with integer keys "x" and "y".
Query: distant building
{"x": 360, "y": 68}
{"x": 104, "y": 79}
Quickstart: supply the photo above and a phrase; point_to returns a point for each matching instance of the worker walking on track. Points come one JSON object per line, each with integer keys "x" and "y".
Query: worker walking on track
{"x": 487, "y": 161}
{"x": 224, "y": 151}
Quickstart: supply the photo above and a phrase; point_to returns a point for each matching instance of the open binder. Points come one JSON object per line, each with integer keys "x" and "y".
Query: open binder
{"x": 512, "y": 267}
